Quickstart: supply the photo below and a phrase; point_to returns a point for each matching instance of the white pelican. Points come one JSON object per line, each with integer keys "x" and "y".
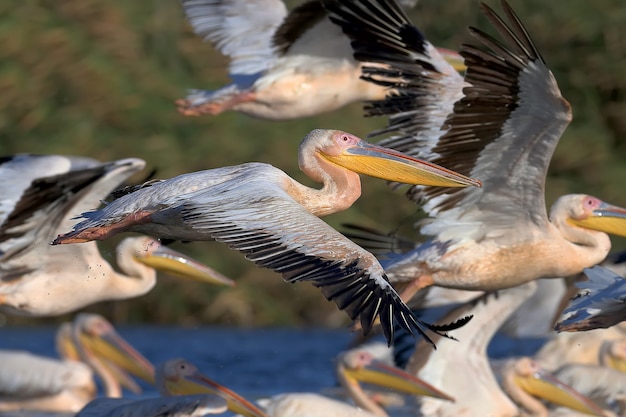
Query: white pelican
{"x": 500, "y": 124}
{"x": 272, "y": 219}
{"x": 605, "y": 386}
{"x": 39, "y": 195}
{"x": 605, "y": 347}
{"x": 179, "y": 376}
{"x": 529, "y": 320}
{"x": 600, "y": 303}
{"x": 457, "y": 367}
{"x": 526, "y": 382}
{"x": 30, "y": 382}
{"x": 283, "y": 66}
{"x": 183, "y": 406}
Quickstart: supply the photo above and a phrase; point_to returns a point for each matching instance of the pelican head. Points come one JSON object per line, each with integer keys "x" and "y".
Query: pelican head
{"x": 592, "y": 213}
{"x": 152, "y": 253}
{"x": 534, "y": 380}
{"x": 357, "y": 155}
{"x": 613, "y": 354}
{"x": 98, "y": 337}
{"x": 360, "y": 366}
{"x": 179, "y": 377}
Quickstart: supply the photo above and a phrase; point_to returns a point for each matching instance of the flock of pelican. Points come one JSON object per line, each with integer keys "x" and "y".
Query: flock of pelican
{"x": 473, "y": 142}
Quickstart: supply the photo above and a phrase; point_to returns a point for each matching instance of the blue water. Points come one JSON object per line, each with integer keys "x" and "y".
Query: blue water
{"x": 253, "y": 362}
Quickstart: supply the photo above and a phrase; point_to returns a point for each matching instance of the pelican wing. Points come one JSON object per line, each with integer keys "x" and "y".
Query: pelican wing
{"x": 309, "y": 40}
{"x": 24, "y": 375}
{"x": 248, "y": 208}
{"x": 503, "y": 131}
{"x": 275, "y": 232}
{"x": 179, "y": 406}
{"x": 424, "y": 86}
{"x": 38, "y": 193}
{"x": 601, "y": 303}
{"x": 36, "y": 190}
{"x": 239, "y": 29}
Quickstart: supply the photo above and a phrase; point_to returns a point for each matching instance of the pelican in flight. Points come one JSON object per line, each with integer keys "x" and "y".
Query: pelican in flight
{"x": 283, "y": 65}
{"x": 500, "y": 123}
{"x": 31, "y": 382}
{"x": 455, "y": 369}
{"x": 180, "y": 377}
{"x": 600, "y": 303}
{"x": 272, "y": 219}
{"x": 39, "y": 195}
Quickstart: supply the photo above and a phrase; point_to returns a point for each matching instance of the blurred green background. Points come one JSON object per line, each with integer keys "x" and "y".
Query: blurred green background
{"x": 99, "y": 78}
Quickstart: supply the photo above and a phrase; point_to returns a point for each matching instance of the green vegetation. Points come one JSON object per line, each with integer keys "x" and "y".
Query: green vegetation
{"x": 99, "y": 78}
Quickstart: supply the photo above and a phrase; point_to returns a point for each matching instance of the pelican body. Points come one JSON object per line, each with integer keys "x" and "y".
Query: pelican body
{"x": 283, "y": 65}
{"x": 500, "y": 123}
{"x": 39, "y": 196}
{"x": 31, "y": 382}
{"x": 238, "y": 205}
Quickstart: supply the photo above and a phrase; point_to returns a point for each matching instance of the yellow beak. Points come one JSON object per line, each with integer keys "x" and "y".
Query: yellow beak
{"x": 113, "y": 348}
{"x": 200, "y": 384}
{"x": 616, "y": 363}
{"x": 608, "y": 218}
{"x": 175, "y": 263}
{"x": 387, "y": 376}
{"x": 65, "y": 343}
{"x": 547, "y": 386}
{"x": 380, "y": 162}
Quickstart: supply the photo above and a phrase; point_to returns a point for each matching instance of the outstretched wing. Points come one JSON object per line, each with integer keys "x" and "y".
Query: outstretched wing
{"x": 600, "y": 303}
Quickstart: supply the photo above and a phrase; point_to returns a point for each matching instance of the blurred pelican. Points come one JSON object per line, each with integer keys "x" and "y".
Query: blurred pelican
{"x": 604, "y": 347}
{"x": 183, "y": 406}
{"x": 526, "y": 382}
{"x": 605, "y": 386}
{"x": 39, "y": 196}
{"x": 600, "y": 303}
{"x": 500, "y": 124}
{"x": 272, "y": 219}
{"x": 455, "y": 368}
{"x": 179, "y": 376}
{"x": 283, "y": 66}
{"x": 30, "y": 382}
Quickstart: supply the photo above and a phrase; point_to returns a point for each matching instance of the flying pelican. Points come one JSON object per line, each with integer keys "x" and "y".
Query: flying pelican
{"x": 456, "y": 368}
{"x": 284, "y": 65}
{"x": 260, "y": 211}
{"x": 31, "y": 382}
{"x": 500, "y": 124}
{"x": 179, "y": 376}
{"x": 183, "y": 406}
{"x": 529, "y": 320}
{"x": 39, "y": 195}
{"x": 600, "y": 303}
